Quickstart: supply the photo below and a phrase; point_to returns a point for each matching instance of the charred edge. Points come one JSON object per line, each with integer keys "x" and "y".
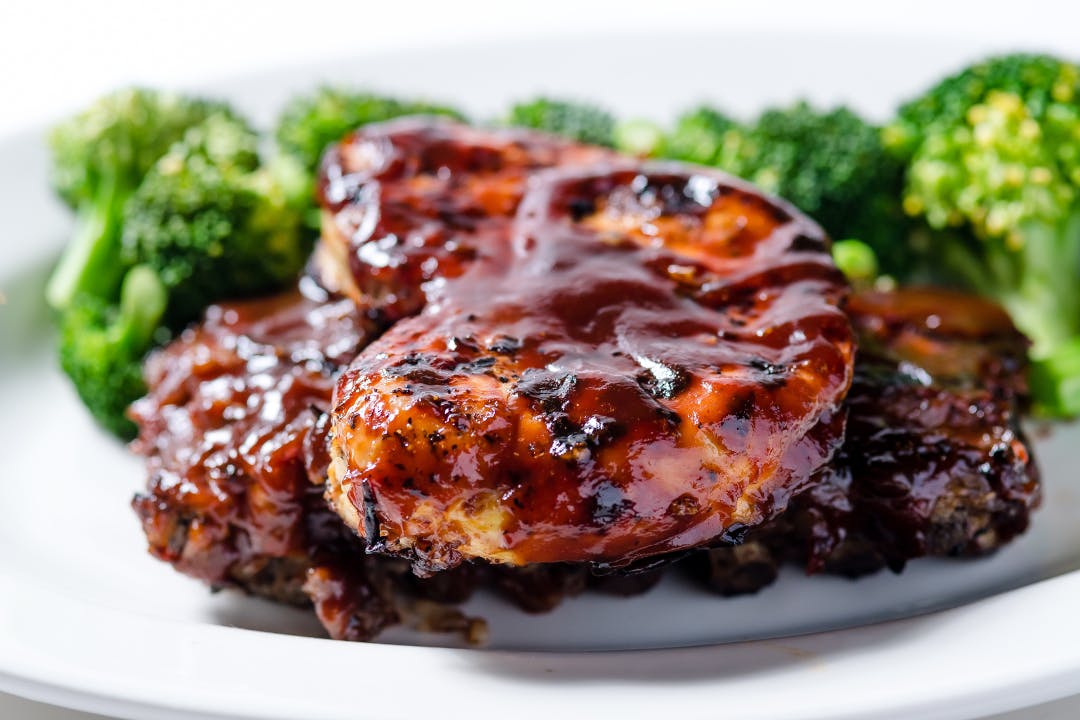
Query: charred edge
{"x": 806, "y": 243}
{"x": 371, "y": 520}
{"x": 636, "y": 567}
{"x": 736, "y": 534}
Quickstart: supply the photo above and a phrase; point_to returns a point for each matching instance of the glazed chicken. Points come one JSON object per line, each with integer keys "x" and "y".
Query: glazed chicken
{"x": 230, "y": 431}
{"x": 934, "y": 461}
{"x": 530, "y": 365}
{"x": 642, "y": 360}
{"x": 234, "y": 431}
{"x": 411, "y": 203}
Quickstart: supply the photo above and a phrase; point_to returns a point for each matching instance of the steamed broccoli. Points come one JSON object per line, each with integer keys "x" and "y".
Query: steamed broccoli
{"x": 993, "y": 159}
{"x": 102, "y": 346}
{"x": 311, "y": 122}
{"x": 856, "y": 260}
{"x": 831, "y": 164}
{"x": 177, "y": 212}
{"x": 575, "y": 120}
{"x": 637, "y": 137}
{"x": 99, "y": 157}
{"x": 698, "y": 137}
{"x": 214, "y": 222}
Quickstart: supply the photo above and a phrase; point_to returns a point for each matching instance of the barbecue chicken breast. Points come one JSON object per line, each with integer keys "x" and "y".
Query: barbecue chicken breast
{"x": 610, "y": 361}
{"x": 584, "y": 372}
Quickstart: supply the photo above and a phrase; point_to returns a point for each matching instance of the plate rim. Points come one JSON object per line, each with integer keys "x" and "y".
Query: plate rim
{"x": 155, "y": 701}
{"x": 832, "y": 672}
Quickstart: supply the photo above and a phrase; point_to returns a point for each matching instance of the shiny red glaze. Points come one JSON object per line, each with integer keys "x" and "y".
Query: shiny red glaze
{"x": 934, "y": 461}
{"x": 224, "y": 429}
{"x": 945, "y": 426}
{"x": 644, "y": 359}
{"x": 413, "y": 201}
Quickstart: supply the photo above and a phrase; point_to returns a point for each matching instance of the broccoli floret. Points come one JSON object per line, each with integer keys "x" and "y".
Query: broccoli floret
{"x": 1040, "y": 80}
{"x": 578, "y": 121}
{"x": 856, "y": 260}
{"x": 110, "y": 309}
{"x": 637, "y": 137}
{"x": 311, "y": 122}
{"x": 994, "y": 168}
{"x": 213, "y": 222}
{"x": 833, "y": 166}
{"x": 99, "y": 157}
{"x": 102, "y": 346}
{"x": 698, "y": 137}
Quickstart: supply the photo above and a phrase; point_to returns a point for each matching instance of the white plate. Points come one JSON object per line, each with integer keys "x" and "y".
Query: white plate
{"x": 87, "y": 619}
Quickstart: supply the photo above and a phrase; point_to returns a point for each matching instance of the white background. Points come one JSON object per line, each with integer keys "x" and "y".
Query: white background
{"x": 55, "y": 56}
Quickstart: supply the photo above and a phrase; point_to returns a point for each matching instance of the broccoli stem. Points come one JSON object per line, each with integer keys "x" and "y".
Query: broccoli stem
{"x": 1036, "y": 283}
{"x": 965, "y": 263}
{"x": 102, "y": 344}
{"x": 638, "y": 137}
{"x": 143, "y": 299}
{"x": 1045, "y": 302}
{"x": 1055, "y": 381}
{"x": 91, "y": 262}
